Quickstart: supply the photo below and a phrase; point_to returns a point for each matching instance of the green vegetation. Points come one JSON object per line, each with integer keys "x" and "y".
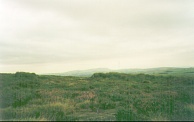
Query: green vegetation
{"x": 103, "y": 96}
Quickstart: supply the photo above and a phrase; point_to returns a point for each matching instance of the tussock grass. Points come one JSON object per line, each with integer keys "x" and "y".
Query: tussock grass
{"x": 103, "y": 96}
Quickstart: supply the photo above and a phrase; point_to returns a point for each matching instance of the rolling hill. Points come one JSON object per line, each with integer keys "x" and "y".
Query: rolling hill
{"x": 154, "y": 71}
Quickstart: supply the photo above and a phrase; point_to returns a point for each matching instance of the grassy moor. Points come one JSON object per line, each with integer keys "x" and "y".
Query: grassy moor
{"x": 96, "y": 60}
{"x": 103, "y": 96}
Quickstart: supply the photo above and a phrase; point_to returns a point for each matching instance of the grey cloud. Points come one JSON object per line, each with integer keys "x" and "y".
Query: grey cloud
{"x": 70, "y": 31}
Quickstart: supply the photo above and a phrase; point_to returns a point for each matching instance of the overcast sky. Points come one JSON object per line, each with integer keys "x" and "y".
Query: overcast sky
{"x": 61, "y": 35}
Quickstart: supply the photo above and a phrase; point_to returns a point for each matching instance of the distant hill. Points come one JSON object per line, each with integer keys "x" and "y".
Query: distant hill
{"x": 151, "y": 71}
{"x": 161, "y": 71}
{"x": 84, "y": 73}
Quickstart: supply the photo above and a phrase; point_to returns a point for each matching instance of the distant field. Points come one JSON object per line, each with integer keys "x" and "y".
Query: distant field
{"x": 165, "y": 94}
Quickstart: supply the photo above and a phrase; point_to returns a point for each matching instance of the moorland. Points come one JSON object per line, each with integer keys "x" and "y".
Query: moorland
{"x": 164, "y": 95}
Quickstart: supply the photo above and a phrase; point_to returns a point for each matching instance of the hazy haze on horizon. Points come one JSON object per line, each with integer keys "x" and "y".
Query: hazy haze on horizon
{"x": 45, "y": 36}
